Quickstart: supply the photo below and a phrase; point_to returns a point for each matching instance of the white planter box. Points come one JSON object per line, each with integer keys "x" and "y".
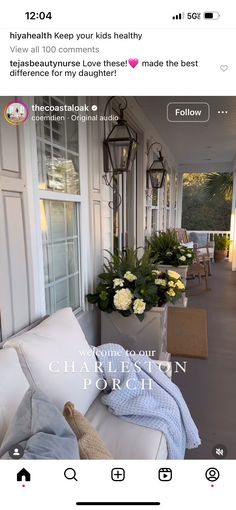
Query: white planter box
{"x": 148, "y": 335}
{"x": 182, "y": 270}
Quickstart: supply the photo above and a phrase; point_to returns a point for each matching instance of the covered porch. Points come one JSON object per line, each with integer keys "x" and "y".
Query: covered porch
{"x": 209, "y": 385}
{"x": 196, "y": 148}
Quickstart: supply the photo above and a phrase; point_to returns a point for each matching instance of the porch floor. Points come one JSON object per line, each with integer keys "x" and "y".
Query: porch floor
{"x": 209, "y": 386}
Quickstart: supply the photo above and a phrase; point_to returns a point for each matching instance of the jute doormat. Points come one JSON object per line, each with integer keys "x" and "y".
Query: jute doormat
{"x": 187, "y": 332}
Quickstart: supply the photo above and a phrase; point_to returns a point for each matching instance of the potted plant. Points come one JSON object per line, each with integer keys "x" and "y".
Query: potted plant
{"x": 222, "y": 244}
{"x": 132, "y": 295}
{"x": 166, "y": 251}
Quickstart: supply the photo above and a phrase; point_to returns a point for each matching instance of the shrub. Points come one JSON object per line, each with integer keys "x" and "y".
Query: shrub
{"x": 164, "y": 248}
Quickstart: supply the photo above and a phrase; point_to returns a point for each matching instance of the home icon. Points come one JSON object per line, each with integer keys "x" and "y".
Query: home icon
{"x": 23, "y": 476}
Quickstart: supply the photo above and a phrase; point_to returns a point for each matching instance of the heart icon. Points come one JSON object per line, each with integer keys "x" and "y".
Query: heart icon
{"x": 224, "y": 68}
{"x": 133, "y": 62}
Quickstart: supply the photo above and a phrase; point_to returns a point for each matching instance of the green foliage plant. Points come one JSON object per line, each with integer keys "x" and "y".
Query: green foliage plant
{"x": 132, "y": 284}
{"x": 164, "y": 248}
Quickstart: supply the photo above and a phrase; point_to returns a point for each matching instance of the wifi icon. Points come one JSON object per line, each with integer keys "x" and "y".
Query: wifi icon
{"x": 180, "y": 15}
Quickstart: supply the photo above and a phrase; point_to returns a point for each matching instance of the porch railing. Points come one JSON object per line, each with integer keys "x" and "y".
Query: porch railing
{"x": 223, "y": 233}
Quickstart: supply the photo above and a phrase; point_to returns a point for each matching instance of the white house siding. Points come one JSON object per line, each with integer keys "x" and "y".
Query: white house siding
{"x": 18, "y": 307}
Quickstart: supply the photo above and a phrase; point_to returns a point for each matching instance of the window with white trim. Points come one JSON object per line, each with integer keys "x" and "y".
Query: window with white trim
{"x": 59, "y": 191}
{"x": 125, "y": 207}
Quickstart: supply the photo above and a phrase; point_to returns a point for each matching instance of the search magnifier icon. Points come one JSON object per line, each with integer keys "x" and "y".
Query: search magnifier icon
{"x": 70, "y": 474}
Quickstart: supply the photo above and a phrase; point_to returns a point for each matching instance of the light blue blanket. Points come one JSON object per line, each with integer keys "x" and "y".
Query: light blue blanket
{"x": 161, "y": 407}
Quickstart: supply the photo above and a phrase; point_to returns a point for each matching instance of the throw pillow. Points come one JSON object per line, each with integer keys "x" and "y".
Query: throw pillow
{"x": 40, "y": 428}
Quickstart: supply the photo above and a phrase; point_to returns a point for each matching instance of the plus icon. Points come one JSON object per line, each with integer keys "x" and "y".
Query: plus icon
{"x": 117, "y": 474}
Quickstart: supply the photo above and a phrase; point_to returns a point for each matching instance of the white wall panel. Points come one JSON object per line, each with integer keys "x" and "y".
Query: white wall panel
{"x": 15, "y": 304}
{"x": 18, "y": 278}
{"x": 9, "y": 144}
{"x": 9, "y": 150}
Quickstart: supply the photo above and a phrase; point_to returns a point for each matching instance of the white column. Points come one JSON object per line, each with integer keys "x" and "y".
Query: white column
{"x": 147, "y": 188}
{"x": 172, "y": 199}
{"x": 179, "y": 199}
{"x": 233, "y": 226}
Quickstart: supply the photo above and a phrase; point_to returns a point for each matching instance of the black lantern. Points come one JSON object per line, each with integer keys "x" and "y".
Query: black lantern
{"x": 157, "y": 170}
{"x": 120, "y": 146}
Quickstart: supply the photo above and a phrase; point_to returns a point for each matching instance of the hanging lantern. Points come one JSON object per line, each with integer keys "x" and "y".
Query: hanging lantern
{"x": 157, "y": 172}
{"x": 120, "y": 147}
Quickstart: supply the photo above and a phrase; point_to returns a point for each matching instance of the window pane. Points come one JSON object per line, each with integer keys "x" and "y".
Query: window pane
{"x": 58, "y": 220}
{"x": 154, "y": 220}
{"x": 58, "y": 127}
{"x": 72, "y": 128}
{"x": 72, "y": 257}
{"x": 72, "y": 174}
{"x": 71, "y": 219}
{"x": 167, "y": 190}
{"x": 58, "y": 149}
{"x": 59, "y": 260}
{"x": 48, "y": 268}
{"x": 61, "y": 254}
{"x": 44, "y": 164}
{"x": 155, "y": 197}
{"x": 61, "y": 295}
{"x": 74, "y": 291}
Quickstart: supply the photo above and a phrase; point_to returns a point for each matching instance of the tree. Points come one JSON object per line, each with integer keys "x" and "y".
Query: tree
{"x": 200, "y": 213}
{"x": 219, "y": 185}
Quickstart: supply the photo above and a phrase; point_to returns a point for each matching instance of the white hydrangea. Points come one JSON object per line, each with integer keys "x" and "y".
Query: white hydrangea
{"x": 171, "y": 293}
{"x": 130, "y": 276}
{"x": 182, "y": 258}
{"x": 118, "y": 282}
{"x": 139, "y": 306}
{"x": 155, "y": 272}
{"x": 180, "y": 285}
{"x": 173, "y": 274}
{"x": 123, "y": 299}
{"x": 189, "y": 255}
{"x": 160, "y": 281}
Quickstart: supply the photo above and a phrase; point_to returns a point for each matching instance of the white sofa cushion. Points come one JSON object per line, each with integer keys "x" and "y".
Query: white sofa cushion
{"x": 123, "y": 439}
{"x": 12, "y": 388}
{"x": 43, "y": 352}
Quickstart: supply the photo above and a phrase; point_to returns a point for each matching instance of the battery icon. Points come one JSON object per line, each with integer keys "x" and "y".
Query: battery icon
{"x": 211, "y": 15}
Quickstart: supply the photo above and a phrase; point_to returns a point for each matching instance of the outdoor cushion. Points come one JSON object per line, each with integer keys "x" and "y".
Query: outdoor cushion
{"x": 40, "y": 429}
{"x": 123, "y": 439}
{"x": 200, "y": 238}
{"x": 12, "y": 388}
{"x": 43, "y": 352}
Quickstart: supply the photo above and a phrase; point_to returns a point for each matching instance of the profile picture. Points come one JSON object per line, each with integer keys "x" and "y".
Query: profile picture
{"x": 16, "y": 112}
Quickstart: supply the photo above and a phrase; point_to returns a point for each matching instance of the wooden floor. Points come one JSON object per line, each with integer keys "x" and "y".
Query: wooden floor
{"x": 209, "y": 386}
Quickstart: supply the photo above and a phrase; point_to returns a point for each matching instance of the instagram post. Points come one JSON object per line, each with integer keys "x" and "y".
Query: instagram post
{"x": 117, "y": 271}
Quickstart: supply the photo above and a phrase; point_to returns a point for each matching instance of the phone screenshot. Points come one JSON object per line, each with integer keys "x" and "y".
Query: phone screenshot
{"x": 117, "y": 256}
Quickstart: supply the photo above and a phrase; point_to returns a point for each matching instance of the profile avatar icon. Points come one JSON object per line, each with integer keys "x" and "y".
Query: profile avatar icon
{"x": 16, "y": 451}
{"x": 16, "y": 112}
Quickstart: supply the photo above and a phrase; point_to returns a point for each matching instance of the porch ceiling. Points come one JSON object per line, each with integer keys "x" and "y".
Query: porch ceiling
{"x": 197, "y": 147}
